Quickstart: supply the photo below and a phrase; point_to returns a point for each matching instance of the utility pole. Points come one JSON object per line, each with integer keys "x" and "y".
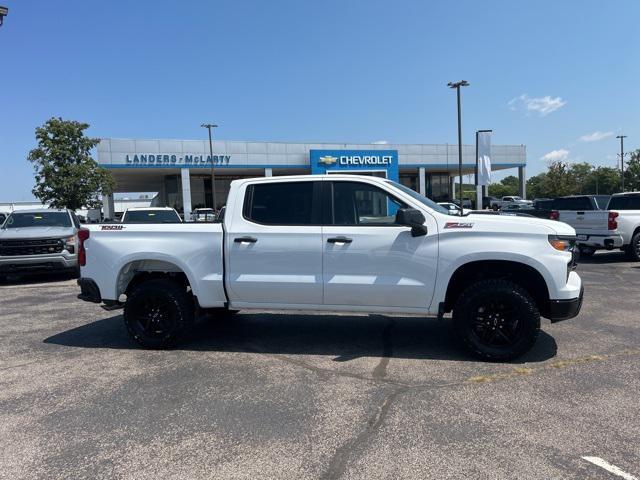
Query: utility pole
{"x": 457, "y": 85}
{"x": 622, "y": 137}
{"x": 209, "y": 126}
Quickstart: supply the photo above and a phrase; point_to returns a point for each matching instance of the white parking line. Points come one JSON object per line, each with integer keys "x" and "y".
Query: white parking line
{"x": 610, "y": 468}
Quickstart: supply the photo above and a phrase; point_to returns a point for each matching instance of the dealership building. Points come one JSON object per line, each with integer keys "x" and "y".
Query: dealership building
{"x": 179, "y": 171}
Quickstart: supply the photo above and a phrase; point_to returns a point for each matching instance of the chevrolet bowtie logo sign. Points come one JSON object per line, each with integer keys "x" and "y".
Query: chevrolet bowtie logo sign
{"x": 328, "y": 160}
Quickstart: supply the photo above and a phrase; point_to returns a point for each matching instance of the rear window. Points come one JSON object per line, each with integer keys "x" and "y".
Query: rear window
{"x": 286, "y": 203}
{"x": 38, "y": 219}
{"x": 573, "y": 203}
{"x": 151, "y": 216}
{"x": 624, "y": 202}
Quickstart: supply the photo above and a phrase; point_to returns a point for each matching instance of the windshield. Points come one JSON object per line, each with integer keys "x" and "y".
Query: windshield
{"x": 151, "y": 216}
{"x": 39, "y": 219}
{"x": 421, "y": 198}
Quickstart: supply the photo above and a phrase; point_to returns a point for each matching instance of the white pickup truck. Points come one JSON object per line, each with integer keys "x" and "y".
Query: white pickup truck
{"x": 338, "y": 243}
{"x": 626, "y": 206}
{"x": 596, "y": 227}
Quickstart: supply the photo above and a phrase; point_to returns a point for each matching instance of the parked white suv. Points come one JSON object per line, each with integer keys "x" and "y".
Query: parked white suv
{"x": 338, "y": 243}
{"x": 627, "y": 208}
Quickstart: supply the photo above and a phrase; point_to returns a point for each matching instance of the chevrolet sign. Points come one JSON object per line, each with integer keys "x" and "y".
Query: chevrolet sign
{"x": 323, "y": 161}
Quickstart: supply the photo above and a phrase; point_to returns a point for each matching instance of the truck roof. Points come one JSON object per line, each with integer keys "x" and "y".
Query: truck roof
{"x": 625, "y": 193}
{"x": 149, "y": 208}
{"x": 39, "y": 210}
{"x": 338, "y": 176}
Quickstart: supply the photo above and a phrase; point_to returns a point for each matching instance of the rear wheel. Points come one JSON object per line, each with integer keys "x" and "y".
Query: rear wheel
{"x": 633, "y": 250}
{"x": 158, "y": 313}
{"x": 496, "y": 320}
{"x": 587, "y": 252}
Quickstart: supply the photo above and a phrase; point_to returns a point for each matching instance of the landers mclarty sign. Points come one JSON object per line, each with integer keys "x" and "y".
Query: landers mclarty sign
{"x": 164, "y": 159}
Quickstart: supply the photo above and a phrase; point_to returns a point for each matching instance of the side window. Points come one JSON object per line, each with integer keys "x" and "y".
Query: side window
{"x": 355, "y": 203}
{"x": 633, "y": 202}
{"x": 286, "y": 203}
{"x": 618, "y": 203}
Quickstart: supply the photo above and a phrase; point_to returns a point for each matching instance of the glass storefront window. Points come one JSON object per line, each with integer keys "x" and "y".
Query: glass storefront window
{"x": 438, "y": 187}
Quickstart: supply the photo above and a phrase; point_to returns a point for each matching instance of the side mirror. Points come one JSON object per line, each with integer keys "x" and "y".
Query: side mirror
{"x": 413, "y": 218}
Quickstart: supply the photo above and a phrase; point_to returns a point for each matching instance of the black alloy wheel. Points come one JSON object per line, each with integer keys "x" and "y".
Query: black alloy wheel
{"x": 496, "y": 320}
{"x": 158, "y": 312}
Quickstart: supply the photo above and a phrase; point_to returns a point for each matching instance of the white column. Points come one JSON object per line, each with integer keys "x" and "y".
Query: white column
{"x": 478, "y": 197}
{"x": 452, "y": 183}
{"x": 186, "y": 193}
{"x": 422, "y": 182}
{"x": 108, "y": 207}
{"x": 522, "y": 179}
{"x": 268, "y": 172}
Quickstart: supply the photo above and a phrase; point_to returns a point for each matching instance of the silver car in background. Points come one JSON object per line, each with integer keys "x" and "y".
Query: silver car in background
{"x": 41, "y": 240}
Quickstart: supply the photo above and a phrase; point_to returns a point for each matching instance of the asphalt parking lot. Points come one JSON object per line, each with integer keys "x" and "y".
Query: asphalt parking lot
{"x": 316, "y": 396}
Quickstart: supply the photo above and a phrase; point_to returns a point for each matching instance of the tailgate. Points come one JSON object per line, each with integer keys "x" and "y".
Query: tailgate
{"x": 588, "y": 221}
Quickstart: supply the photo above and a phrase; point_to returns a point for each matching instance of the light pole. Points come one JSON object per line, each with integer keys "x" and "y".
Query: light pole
{"x": 3, "y": 13}
{"x": 479, "y": 193}
{"x": 457, "y": 85}
{"x": 209, "y": 126}
{"x": 622, "y": 137}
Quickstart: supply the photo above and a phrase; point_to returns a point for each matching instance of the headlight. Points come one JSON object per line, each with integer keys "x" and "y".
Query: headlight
{"x": 563, "y": 243}
{"x": 70, "y": 244}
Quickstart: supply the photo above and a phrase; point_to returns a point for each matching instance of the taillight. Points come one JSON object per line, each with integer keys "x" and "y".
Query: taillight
{"x": 613, "y": 223}
{"x": 83, "y": 234}
{"x": 554, "y": 215}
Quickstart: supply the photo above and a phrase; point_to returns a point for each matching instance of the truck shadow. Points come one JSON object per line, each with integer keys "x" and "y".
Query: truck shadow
{"x": 604, "y": 258}
{"x": 343, "y": 337}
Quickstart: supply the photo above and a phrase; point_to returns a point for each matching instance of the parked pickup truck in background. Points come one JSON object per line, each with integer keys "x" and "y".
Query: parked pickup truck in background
{"x": 151, "y": 215}
{"x": 338, "y": 243}
{"x": 595, "y": 228}
{"x": 509, "y": 200}
{"x": 39, "y": 240}
{"x": 627, "y": 206}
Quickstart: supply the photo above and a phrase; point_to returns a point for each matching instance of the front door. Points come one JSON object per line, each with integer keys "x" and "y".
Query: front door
{"x": 369, "y": 260}
{"x": 275, "y": 245}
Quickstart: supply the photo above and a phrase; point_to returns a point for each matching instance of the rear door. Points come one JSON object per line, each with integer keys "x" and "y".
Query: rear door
{"x": 274, "y": 244}
{"x": 368, "y": 259}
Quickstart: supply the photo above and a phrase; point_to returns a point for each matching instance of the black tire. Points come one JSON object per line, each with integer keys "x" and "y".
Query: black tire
{"x": 587, "y": 252}
{"x": 633, "y": 250}
{"x": 158, "y": 312}
{"x": 495, "y": 208}
{"x": 496, "y": 320}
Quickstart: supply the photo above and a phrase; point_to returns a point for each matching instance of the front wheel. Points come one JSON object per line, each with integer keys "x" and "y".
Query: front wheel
{"x": 496, "y": 320}
{"x": 158, "y": 312}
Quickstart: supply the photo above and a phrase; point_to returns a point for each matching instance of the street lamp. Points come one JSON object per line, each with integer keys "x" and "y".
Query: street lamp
{"x": 209, "y": 126}
{"x": 3, "y": 13}
{"x": 622, "y": 137}
{"x": 457, "y": 85}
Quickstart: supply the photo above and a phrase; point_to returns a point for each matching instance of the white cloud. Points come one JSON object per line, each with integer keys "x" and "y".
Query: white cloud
{"x": 380, "y": 142}
{"x": 556, "y": 155}
{"x": 540, "y": 105}
{"x": 595, "y": 136}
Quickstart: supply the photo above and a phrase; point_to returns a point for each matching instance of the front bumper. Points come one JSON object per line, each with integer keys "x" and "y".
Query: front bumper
{"x": 559, "y": 310}
{"x": 38, "y": 263}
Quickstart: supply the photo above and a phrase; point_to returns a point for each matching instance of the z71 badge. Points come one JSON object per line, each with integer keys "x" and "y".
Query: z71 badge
{"x": 458, "y": 225}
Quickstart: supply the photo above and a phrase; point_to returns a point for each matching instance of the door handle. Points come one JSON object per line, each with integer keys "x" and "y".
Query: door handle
{"x": 245, "y": 240}
{"x": 339, "y": 240}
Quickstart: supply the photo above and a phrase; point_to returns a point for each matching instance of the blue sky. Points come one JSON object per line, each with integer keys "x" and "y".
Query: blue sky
{"x": 544, "y": 74}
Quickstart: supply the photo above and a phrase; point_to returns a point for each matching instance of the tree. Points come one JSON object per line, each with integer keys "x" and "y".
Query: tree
{"x": 66, "y": 176}
{"x": 507, "y": 186}
{"x": 632, "y": 173}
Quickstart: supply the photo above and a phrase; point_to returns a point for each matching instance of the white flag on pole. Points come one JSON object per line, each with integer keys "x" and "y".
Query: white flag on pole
{"x": 484, "y": 158}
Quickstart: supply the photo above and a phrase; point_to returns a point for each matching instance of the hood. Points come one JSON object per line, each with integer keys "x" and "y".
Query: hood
{"x": 515, "y": 224}
{"x": 36, "y": 232}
